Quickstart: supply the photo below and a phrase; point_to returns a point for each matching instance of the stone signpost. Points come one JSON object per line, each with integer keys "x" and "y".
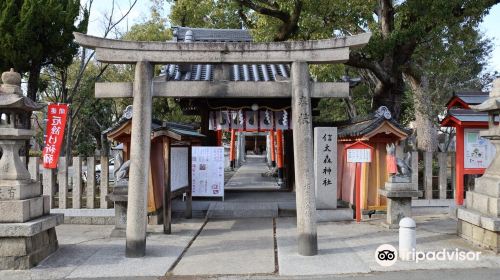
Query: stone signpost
{"x": 297, "y": 53}
{"x": 27, "y": 229}
{"x": 325, "y": 174}
{"x": 325, "y": 154}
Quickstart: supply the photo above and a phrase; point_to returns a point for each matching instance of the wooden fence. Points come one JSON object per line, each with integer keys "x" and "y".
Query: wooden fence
{"x": 66, "y": 185}
{"x": 68, "y": 189}
{"x": 437, "y": 173}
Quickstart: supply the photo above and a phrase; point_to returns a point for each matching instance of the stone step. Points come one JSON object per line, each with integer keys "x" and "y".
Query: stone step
{"x": 223, "y": 210}
{"x": 483, "y": 203}
{"x": 479, "y": 219}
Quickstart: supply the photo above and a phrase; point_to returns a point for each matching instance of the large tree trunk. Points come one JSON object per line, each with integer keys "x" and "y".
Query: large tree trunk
{"x": 390, "y": 95}
{"x": 426, "y": 130}
{"x": 34, "y": 77}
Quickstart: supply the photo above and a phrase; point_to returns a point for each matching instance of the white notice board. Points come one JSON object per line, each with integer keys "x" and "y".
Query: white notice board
{"x": 478, "y": 151}
{"x": 207, "y": 171}
{"x": 179, "y": 167}
{"x": 359, "y": 155}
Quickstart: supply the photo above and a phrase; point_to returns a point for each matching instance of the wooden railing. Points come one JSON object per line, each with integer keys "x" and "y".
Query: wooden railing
{"x": 74, "y": 185}
{"x": 440, "y": 183}
{"x": 68, "y": 189}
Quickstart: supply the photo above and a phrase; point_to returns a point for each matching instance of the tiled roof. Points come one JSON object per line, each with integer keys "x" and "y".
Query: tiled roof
{"x": 467, "y": 115}
{"x": 180, "y": 129}
{"x": 156, "y": 125}
{"x": 244, "y": 72}
{"x": 204, "y": 72}
{"x": 363, "y": 125}
{"x": 469, "y": 97}
{"x": 212, "y": 35}
{"x": 472, "y": 97}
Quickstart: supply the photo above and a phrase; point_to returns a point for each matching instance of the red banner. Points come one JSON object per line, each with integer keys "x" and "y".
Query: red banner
{"x": 54, "y": 134}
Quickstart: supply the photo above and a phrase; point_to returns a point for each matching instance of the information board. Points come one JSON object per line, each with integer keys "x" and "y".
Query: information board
{"x": 207, "y": 171}
{"x": 179, "y": 167}
{"x": 359, "y": 155}
{"x": 478, "y": 151}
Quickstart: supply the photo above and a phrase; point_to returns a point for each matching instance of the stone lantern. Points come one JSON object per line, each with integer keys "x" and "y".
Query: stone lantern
{"x": 479, "y": 220}
{"x": 27, "y": 230}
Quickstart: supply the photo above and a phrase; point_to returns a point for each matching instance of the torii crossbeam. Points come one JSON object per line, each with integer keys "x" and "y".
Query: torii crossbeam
{"x": 297, "y": 53}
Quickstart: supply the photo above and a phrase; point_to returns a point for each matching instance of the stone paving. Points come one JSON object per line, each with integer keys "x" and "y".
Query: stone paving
{"x": 86, "y": 251}
{"x": 248, "y": 176}
{"x": 243, "y": 246}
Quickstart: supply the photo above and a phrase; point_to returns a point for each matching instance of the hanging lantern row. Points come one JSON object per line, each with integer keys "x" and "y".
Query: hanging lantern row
{"x": 249, "y": 120}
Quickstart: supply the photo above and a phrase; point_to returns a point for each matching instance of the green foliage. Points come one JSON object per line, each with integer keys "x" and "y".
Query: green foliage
{"x": 37, "y": 33}
{"x": 205, "y": 13}
{"x": 166, "y": 109}
{"x": 154, "y": 29}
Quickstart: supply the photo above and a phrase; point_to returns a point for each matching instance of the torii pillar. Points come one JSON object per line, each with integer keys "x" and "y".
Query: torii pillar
{"x": 303, "y": 153}
{"x": 139, "y": 160}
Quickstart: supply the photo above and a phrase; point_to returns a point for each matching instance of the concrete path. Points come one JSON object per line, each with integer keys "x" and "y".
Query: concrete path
{"x": 243, "y": 246}
{"x": 348, "y": 247}
{"x": 248, "y": 176}
{"x": 245, "y": 249}
{"x": 87, "y": 252}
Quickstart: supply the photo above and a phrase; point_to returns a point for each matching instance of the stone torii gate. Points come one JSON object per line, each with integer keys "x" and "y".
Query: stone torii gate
{"x": 297, "y": 53}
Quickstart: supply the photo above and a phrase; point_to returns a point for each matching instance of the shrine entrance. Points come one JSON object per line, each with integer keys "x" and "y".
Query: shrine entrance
{"x": 298, "y": 90}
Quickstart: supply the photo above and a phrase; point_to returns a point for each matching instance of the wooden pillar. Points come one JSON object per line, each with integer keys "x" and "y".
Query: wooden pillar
{"x": 104, "y": 185}
{"x": 90, "y": 182}
{"x": 49, "y": 184}
{"x": 167, "y": 207}
{"x": 232, "y": 152}
{"x": 279, "y": 152}
{"x": 139, "y": 160}
{"x": 459, "y": 180}
{"x": 204, "y": 125}
{"x": 272, "y": 147}
{"x": 34, "y": 168}
{"x": 219, "y": 137}
{"x": 189, "y": 195}
{"x": 428, "y": 174}
{"x": 62, "y": 177}
{"x": 77, "y": 182}
{"x": 443, "y": 170}
{"x": 303, "y": 154}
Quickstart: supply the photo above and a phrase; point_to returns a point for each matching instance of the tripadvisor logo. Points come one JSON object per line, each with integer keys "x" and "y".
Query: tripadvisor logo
{"x": 387, "y": 255}
{"x": 443, "y": 255}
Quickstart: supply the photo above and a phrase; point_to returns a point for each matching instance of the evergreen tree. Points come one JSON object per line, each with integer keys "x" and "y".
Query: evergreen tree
{"x": 35, "y": 34}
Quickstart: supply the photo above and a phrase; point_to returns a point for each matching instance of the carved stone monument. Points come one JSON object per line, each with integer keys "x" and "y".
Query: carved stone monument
{"x": 400, "y": 188}
{"x": 27, "y": 229}
{"x": 479, "y": 220}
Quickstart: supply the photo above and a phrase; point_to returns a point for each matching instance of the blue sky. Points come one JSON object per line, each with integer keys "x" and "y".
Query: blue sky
{"x": 490, "y": 26}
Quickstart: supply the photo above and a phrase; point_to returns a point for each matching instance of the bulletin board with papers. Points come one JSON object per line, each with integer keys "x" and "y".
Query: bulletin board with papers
{"x": 207, "y": 171}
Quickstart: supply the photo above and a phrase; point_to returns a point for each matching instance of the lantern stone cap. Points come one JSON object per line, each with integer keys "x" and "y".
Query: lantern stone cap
{"x": 11, "y": 83}
{"x": 11, "y": 94}
{"x": 493, "y": 102}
